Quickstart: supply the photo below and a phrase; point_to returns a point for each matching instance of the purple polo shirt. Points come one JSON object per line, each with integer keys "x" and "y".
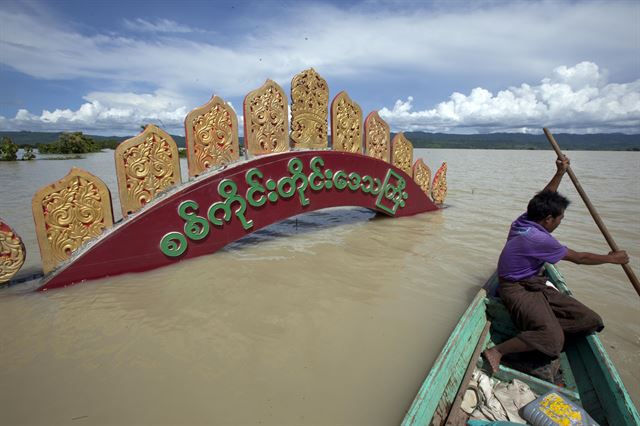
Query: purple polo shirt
{"x": 528, "y": 246}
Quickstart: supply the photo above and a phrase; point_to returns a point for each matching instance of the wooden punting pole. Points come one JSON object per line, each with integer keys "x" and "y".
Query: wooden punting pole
{"x": 594, "y": 213}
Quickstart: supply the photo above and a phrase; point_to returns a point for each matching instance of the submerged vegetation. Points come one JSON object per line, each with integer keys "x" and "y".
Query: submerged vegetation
{"x": 28, "y": 154}
{"x": 75, "y": 143}
{"x": 9, "y": 151}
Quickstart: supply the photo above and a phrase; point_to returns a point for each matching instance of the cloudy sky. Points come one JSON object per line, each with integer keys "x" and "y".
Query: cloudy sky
{"x": 106, "y": 67}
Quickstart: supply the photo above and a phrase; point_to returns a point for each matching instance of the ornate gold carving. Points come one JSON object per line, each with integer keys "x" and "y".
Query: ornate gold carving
{"x": 422, "y": 176}
{"x": 402, "y": 156}
{"x": 69, "y": 213}
{"x": 266, "y": 120}
{"x": 146, "y": 165}
{"x": 212, "y": 136}
{"x": 12, "y": 252}
{"x": 376, "y": 137}
{"x": 309, "y": 105}
{"x": 439, "y": 188}
{"x": 346, "y": 124}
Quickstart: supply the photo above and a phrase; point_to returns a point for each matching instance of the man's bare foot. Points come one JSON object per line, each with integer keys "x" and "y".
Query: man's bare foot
{"x": 493, "y": 357}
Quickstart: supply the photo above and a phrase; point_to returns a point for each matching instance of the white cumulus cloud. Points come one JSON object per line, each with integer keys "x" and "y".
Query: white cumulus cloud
{"x": 109, "y": 113}
{"x": 575, "y": 99}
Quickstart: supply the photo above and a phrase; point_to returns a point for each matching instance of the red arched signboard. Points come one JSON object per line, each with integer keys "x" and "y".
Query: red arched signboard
{"x": 220, "y": 207}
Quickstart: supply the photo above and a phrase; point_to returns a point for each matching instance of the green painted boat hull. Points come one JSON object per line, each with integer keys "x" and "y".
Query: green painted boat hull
{"x": 590, "y": 376}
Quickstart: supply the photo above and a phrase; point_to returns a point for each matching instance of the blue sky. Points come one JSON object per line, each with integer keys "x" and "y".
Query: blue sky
{"x": 106, "y": 67}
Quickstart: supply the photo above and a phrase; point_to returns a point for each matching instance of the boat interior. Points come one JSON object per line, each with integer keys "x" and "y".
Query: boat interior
{"x": 583, "y": 374}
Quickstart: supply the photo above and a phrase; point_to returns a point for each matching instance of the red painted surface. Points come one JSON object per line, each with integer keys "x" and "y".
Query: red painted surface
{"x": 4, "y": 227}
{"x": 134, "y": 246}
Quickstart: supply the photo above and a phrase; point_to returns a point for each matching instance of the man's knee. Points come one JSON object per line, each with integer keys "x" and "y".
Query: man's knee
{"x": 594, "y": 322}
{"x": 588, "y": 322}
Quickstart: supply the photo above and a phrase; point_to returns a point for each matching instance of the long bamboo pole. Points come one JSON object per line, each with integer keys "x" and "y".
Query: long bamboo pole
{"x": 596, "y": 217}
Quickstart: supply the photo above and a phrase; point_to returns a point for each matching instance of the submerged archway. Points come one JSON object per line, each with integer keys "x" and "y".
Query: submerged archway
{"x": 204, "y": 215}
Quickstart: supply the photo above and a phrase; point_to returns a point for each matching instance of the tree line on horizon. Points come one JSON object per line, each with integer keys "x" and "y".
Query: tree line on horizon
{"x": 79, "y": 143}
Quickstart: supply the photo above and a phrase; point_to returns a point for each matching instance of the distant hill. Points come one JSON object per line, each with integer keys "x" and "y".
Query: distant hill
{"x": 590, "y": 142}
{"x": 35, "y": 138}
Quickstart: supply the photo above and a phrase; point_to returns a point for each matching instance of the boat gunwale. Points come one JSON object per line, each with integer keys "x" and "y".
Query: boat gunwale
{"x": 423, "y": 408}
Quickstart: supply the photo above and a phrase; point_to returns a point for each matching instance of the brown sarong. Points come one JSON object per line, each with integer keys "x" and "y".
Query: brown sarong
{"x": 545, "y": 316}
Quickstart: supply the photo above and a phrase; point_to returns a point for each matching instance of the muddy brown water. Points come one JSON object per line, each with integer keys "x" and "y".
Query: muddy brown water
{"x": 333, "y": 317}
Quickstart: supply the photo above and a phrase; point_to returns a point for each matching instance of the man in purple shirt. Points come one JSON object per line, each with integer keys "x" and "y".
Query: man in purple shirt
{"x": 542, "y": 314}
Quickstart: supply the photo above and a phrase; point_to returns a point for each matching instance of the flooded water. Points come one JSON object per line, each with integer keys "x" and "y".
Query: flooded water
{"x": 333, "y": 317}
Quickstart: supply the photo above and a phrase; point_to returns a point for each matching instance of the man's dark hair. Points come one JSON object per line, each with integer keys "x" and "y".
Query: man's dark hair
{"x": 546, "y": 203}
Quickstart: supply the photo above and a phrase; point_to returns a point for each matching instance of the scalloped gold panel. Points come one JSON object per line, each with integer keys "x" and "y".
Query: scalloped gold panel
{"x": 377, "y": 137}
{"x": 346, "y": 124}
{"x": 422, "y": 176}
{"x": 12, "y": 252}
{"x": 68, "y": 213}
{"x": 146, "y": 165}
{"x": 439, "y": 187}
{"x": 309, "y": 108}
{"x": 212, "y": 136}
{"x": 402, "y": 153}
{"x": 266, "y": 120}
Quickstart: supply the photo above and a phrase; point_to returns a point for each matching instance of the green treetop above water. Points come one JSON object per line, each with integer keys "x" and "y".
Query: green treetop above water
{"x": 8, "y": 150}
{"x": 70, "y": 143}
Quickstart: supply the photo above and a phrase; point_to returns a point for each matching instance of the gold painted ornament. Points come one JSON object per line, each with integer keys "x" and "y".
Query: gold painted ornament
{"x": 439, "y": 187}
{"x": 402, "y": 153}
{"x": 422, "y": 176}
{"x": 309, "y": 108}
{"x": 346, "y": 124}
{"x": 266, "y": 120}
{"x": 377, "y": 137}
{"x": 146, "y": 165}
{"x": 68, "y": 213}
{"x": 12, "y": 252}
{"x": 211, "y": 136}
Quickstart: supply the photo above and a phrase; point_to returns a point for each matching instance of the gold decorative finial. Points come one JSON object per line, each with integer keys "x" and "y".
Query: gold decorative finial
{"x": 422, "y": 176}
{"x": 146, "y": 165}
{"x": 439, "y": 187}
{"x": 68, "y": 213}
{"x": 266, "y": 120}
{"x": 402, "y": 153}
{"x": 12, "y": 252}
{"x": 346, "y": 124}
{"x": 212, "y": 136}
{"x": 309, "y": 107}
{"x": 377, "y": 137}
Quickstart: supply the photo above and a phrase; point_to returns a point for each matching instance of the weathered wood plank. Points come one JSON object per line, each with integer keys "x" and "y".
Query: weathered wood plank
{"x": 588, "y": 396}
{"x": 567, "y": 373}
{"x": 613, "y": 396}
{"x": 538, "y": 386}
{"x": 453, "y": 418}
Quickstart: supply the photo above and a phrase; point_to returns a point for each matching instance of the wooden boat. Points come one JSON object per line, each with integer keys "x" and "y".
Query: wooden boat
{"x": 590, "y": 379}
